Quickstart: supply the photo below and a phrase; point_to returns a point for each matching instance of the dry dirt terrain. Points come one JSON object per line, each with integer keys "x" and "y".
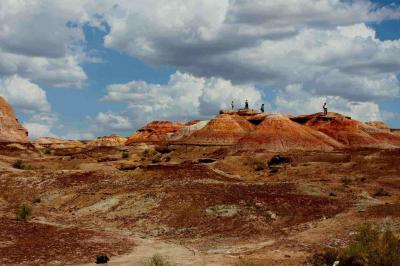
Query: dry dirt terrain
{"x": 193, "y": 205}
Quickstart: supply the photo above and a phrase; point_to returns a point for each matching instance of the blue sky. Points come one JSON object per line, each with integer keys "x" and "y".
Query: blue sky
{"x": 104, "y": 67}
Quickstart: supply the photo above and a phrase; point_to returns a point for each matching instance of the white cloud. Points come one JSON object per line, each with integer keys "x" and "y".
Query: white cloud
{"x": 24, "y": 95}
{"x": 324, "y": 45}
{"x": 111, "y": 121}
{"x": 183, "y": 97}
{"x": 43, "y": 41}
{"x": 37, "y": 130}
{"x": 28, "y": 98}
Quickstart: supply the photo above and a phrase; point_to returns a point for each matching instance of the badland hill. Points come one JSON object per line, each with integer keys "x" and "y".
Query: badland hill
{"x": 245, "y": 188}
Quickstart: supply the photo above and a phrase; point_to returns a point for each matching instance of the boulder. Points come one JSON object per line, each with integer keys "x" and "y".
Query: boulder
{"x": 11, "y": 129}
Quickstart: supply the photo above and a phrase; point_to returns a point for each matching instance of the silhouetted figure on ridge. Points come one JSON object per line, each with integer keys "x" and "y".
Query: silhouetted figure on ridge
{"x": 233, "y": 106}
{"x": 325, "y": 109}
{"x": 246, "y": 104}
{"x": 262, "y": 108}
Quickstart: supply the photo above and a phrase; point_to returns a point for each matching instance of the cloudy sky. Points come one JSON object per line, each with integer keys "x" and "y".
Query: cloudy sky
{"x": 80, "y": 69}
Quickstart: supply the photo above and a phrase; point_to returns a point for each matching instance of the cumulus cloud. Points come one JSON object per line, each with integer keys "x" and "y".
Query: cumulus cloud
{"x": 28, "y": 98}
{"x": 112, "y": 121}
{"x": 24, "y": 95}
{"x": 43, "y": 41}
{"x": 183, "y": 97}
{"x": 324, "y": 45}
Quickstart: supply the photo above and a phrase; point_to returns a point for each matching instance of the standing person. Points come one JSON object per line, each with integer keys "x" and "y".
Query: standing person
{"x": 262, "y": 108}
{"x": 233, "y": 106}
{"x": 325, "y": 109}
{"x": 246, "y": 104}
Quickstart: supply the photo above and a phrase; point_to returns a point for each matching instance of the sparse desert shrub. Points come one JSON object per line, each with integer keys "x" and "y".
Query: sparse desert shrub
{"x": 259, "y": 166}
{"x": 47, "y": 151}
{"x": 125, "y": 154}
{"x": 18, "y": 164}
{"x": 369, "y": 247}
{"x": 146, "y": 153}
{"x": 158, "y": 260}
{"x": 381, "y": 193}
{"x": 24, "y": 212}
{"x": 36, "y": 200}
{"x": 163, "y": 149}
{"x": 243, "y": 262}
{"x": 346, "y": 181}
{"x": 168, "y": 158}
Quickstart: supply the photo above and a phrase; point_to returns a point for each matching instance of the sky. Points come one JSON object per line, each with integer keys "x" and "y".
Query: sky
{"x": 81, "y": 69}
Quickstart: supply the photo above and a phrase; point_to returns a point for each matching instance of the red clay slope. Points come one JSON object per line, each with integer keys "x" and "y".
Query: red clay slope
{"x": 224, "y": 129}
{"x": 154, "y": 132}
{"x": 351, "y": 133}
{"x": 278, "y": 133}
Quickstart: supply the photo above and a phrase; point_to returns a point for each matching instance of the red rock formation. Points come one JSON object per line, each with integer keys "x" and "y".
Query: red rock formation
{"x": 278, "y": 133}
{"x": 108, "y": 141}
{"x": 56, "y": 143}
{"x": 224, "y": 129}
{"x": 351, "y": 133}
{"x": 154, "y": 132}
{"x": 10, "y": 128}
{"x": 379, "y": 125}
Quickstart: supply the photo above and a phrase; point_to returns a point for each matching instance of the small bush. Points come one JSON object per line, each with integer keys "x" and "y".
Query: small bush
{"x": 168, "y": 158}
{"x": 163, "y": 149}
{"x": 381, "y": 193}
{"x": 17, "y": 164}
{"x": 369, "y": 247}
{"x": 47, "y": 151}
{"x": 125, "y": 155}
{"x": 259, "y": 166}
{"x": 24, "y": 212}
{"x": 158, "y": 260}
{"x": 346, "y": 181}
{"x": 146, "y": 153}
{"x": 36, "y": 200}
{"x": 243, "y": 262}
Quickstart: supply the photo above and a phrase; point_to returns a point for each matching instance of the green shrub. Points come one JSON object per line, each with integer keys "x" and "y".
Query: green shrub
{"x": 18, "y": 164}
{"x": 163, "y": 149}
{"x": 381, "y": 193}
{"x": 243, "y": 262}
{"x": 346, "y": 181}
{"x": 259, "y": 166}
{"x": 146, "y": 153}
{"x": 158, "y": 260}
{"x": 369, "y": 247}
{"x": 47, "y": 151}
{"x": 168, "y": 158}
{"x": 24, "y": 212}
{"x": 125, "y": 154}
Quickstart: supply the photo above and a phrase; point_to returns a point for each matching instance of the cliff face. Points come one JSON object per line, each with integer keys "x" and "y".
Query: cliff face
{"x": 10, "y": 128}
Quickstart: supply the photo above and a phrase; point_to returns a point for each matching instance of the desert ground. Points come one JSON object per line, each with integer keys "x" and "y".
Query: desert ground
{"x": 191, "y": 204}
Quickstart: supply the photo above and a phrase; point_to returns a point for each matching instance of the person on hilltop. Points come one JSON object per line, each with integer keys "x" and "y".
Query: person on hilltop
{"x": 325, "y": 108}
{"x": 262, "y": 108}
{"x": 246, "y": 104}
{"x": 233, "y": 106}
